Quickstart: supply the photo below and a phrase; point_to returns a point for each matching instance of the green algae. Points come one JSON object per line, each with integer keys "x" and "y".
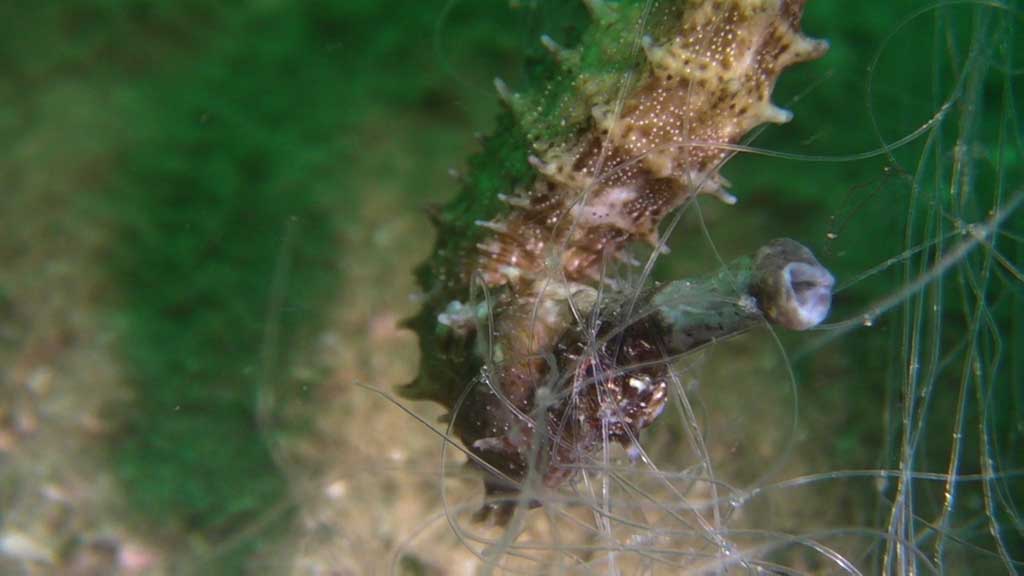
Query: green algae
{"x": 230, "y": 197}
{"x": 222, "y": 186}
{"x": 241, "y": 165}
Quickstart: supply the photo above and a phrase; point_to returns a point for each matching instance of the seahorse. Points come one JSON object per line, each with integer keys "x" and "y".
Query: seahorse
{"x": 526, "y": 336}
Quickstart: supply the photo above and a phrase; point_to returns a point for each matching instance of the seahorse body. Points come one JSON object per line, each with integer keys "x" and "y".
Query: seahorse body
{"x": 574, "y": 175}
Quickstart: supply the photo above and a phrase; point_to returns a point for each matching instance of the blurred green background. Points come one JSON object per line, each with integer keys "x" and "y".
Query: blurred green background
{"x": 214, "y": 158}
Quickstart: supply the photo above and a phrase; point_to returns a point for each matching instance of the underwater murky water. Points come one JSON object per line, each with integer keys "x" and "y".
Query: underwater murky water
{"x": 209, "y": 221}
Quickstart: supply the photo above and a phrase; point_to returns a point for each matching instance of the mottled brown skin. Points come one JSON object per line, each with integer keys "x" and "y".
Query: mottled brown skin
{"x": 612, "y": 393}
{"x": 707, "y": 83}
{"x": 705, "y": 87}
{"x": 605, "y": 395}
